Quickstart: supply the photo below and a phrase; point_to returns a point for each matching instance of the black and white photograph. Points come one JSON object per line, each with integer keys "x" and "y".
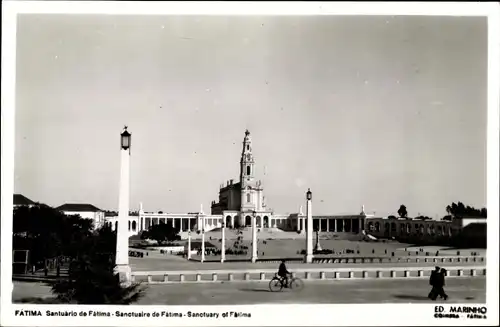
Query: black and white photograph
{"x": 219, "y": 168}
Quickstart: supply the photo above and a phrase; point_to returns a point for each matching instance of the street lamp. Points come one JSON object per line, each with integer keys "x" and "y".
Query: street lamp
{"x": 125, "y": 139}
{"x": 309, "y": 224}
{"x": 189, "y": 245}
{"x": 122, "y": 267}
{"x": 223, "y": 242}
{"x": 203, "y": 241}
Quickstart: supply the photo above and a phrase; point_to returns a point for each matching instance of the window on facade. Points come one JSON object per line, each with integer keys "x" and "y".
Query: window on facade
{"x": 248, "y": 198}
{"x": 248, "y": 147}
{"x": 248, "y": 170}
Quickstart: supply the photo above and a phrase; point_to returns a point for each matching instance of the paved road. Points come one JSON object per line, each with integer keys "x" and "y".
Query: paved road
{"x": 463, "y": 290}
{"x": 392, "y": 291}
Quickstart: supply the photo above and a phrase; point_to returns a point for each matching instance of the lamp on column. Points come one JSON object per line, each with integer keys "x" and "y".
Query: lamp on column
{"x": 125, "y": 139}
{"x": 189, "y": 246}
{"x": 309, "y": 224}
{"x": 223, "y": 242}
{"x": 122, "y": 268}
{"x": 203, "y": 241}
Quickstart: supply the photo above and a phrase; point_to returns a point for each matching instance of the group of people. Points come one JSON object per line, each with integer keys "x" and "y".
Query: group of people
{"x": 209, "y": 251}
{"x": 437, "y": 282}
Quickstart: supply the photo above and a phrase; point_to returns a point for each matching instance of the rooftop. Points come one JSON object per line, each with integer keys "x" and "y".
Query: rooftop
{"x": 78, "y": 207}
{"x": 21, "y": 200}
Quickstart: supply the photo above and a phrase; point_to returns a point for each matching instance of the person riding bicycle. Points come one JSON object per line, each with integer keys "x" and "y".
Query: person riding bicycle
{"x": 283, "y": 273}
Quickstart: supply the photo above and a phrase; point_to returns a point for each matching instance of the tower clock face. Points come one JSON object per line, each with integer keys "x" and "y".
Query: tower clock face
{"x": 249, "y": 156}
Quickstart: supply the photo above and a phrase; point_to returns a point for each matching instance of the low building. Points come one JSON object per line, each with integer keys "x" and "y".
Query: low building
{"x": 20, "y": 200}
{"x": 84, "y": 210}
{"x": 133, "y": 222}
{"x": 426, "y": 231}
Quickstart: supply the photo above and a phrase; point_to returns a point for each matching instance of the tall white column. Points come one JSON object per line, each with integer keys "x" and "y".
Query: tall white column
{"x": 122, "y": 267}
{"x": 300, "y": 220}
{"x": 203, "y": 243}
{"x": 254, "y": 239}
{"x": 141, "y": 218}
{"x": 309, "y": 239}
{"x": 189, "y": 246}
{"x": 223, "y": 243}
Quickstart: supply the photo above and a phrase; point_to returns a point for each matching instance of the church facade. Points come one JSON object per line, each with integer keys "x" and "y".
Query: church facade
{"x": 238, "y": 202}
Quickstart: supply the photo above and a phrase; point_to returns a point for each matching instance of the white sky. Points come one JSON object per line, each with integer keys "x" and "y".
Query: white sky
{"x": 379, "y": 111}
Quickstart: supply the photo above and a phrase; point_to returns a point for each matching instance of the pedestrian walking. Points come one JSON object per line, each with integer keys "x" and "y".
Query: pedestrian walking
{"x": 441, "y": 284}
{"x": 433, "y": 282}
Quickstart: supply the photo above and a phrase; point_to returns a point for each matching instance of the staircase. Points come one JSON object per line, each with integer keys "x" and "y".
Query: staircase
{"x": 246, "y": 232}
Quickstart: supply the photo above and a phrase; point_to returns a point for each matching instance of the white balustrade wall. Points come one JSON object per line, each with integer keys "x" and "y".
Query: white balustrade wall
{"x": 338, "y": 274}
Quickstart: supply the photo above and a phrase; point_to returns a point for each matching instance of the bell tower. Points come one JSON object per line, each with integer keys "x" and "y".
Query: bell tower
{"x": 247, "y": 161}
{"x": 247, "y": 175}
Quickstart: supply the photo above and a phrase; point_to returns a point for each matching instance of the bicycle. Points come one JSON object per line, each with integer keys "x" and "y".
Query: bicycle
{"x": 277, "y": 283}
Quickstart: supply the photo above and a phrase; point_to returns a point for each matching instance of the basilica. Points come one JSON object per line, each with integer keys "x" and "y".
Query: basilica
{"x": 238, "y": 202}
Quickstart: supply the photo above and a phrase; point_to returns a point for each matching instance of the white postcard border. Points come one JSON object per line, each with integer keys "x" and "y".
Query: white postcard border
{"x": 267, "y": 314}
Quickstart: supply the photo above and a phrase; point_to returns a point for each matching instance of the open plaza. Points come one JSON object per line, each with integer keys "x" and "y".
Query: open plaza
{"x": 198, "y": 287}
{"x": 470, "y": 290}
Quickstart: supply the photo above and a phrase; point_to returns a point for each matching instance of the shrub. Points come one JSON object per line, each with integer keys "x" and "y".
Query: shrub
{"x": 93, "y": 282}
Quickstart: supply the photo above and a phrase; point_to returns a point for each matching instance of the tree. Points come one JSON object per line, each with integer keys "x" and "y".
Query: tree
{"x": 162, "y": 233}
{"x": 91, "y": 276}
{"x": 460, "y": 210}
{"x": 47, "y": 232}
{"x": 402, "y": 211}
{"x": 448, "y": 210}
